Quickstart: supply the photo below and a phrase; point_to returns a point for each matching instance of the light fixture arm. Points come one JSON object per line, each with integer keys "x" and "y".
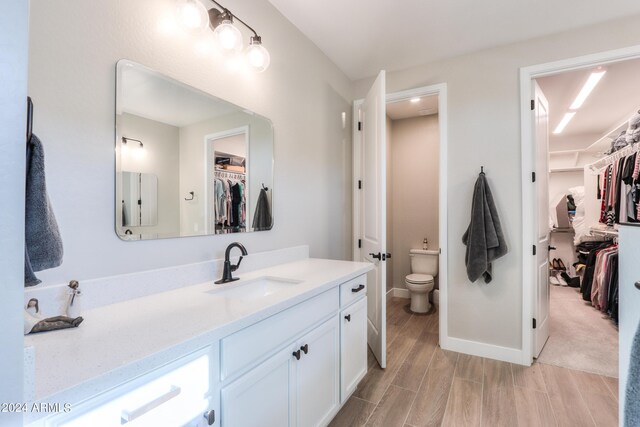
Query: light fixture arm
{"x": 226, "y": 11}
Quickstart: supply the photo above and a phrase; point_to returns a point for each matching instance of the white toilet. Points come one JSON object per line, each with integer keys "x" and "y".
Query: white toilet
{"x": 424, "y": 267}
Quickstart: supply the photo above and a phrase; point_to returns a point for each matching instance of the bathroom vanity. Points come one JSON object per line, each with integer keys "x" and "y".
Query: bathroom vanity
{"x": 285, "y": 345}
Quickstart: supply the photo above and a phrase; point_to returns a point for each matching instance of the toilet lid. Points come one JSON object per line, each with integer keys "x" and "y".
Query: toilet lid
{"x": 419, "y": 278}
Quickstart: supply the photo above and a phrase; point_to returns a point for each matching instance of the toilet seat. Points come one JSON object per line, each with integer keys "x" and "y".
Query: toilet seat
{"x": 419, "y": 279}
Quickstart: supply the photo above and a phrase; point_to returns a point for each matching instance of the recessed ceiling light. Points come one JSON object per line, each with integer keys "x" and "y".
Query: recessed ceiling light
{"x": 414, "y": 100}
{"x": 564, "y": 122}
{"x": 591, "y": 83}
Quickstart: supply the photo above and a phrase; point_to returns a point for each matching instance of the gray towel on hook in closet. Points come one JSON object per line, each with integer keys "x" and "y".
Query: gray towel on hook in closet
{"x": 43, "y": 244}
{"x": 484, "y": 238}
{"x": 632, "y": 395}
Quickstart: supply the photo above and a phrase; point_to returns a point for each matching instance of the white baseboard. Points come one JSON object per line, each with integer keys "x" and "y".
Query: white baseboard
{"x": 490, "y": 351}
{"x": 400, "y": 293}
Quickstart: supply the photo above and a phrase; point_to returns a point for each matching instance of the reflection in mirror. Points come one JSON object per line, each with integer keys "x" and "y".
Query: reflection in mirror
{"x": 139, "y": 199}
{"x": 187, "y": 163}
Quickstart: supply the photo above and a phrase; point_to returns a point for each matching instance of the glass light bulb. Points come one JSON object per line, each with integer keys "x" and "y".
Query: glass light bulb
{"x": 258, "y": 57}
{"x": 229, "y": 38}
{"x": 192, "y": 15}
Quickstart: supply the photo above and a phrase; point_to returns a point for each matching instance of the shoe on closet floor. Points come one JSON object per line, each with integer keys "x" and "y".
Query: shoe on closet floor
{"x": 561, "y": 280}
{"x": 561, "y": 265}
{"x": 554, "y": 281}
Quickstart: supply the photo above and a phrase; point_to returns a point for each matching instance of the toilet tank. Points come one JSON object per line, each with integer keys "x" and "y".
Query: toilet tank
{"x": 424, "y": 262}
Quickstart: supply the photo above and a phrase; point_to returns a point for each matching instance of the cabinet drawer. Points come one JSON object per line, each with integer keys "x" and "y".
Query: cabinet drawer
{"x": 245, "y": 348}
{"x": 353, "y": 290}
{"x": 175, "y": 395}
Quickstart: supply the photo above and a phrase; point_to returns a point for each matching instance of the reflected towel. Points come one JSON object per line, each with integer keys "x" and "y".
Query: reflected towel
{"x": 262, "y": 219}
{"x": 632, "y": 396}
{"x": 43, "y": 245}
{"x": 484, "y": 238}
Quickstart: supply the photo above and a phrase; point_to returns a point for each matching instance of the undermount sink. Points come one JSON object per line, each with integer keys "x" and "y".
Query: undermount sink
{"x": 254, "y": 288}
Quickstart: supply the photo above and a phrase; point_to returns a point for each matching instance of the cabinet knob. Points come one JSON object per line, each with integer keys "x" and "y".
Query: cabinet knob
{"x": 348, "y": 317}
{"x": 358, "y": 289}
{"x": 637, "y": 284}
{"x": 305, "y": 348}
{"x": 296, "y": 354}
{"x": 210, "y": 416}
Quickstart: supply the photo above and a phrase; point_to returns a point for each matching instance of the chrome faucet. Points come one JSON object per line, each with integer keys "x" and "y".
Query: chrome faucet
{"x": 228, "y": 268}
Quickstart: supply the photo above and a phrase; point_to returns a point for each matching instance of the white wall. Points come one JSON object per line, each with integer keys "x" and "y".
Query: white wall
{"x": 13, "y": 98}
{"x": 160, "y": 157}
{"x": 414, "y": 189}
{"x": 74, "y": 46}
{"x": 484, "y": 129}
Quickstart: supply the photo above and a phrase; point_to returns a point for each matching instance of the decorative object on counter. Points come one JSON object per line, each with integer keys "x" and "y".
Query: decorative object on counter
{"x": 34, "y": 323}
{"x": 484, "y": 237}
{"x": 193, "y": 16}
{"x": 43, "y": 243}
{"x": 262, "y": 220}
{"x": 74, "y": 306}
{"x": 228, "y": 268}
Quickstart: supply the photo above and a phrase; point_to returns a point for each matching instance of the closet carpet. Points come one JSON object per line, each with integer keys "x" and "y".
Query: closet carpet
{"x": 581, "y": 337}
{"x": 426, "y": 386}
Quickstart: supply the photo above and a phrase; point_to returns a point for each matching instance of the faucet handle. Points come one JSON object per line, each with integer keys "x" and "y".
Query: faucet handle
{"x": 235, "y": 267}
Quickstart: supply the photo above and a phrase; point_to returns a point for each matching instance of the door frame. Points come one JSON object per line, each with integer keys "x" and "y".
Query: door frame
{"x": 441, "y": 91}
{"x": 529, "y": 201}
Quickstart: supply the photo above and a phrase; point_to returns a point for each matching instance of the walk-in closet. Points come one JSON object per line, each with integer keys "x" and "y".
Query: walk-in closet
{"x": 593, "y": 186}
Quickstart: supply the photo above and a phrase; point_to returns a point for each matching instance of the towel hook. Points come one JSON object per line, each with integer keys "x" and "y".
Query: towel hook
{"x": 265, "y": 188}
{"x": 481, "y": 169}
{"x": 29, "y": 118}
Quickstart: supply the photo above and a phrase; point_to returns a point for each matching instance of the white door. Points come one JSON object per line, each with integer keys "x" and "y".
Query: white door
{"x": 317, "y": 376}
{"x": 373, "y": 213}
{"x": 263, "y": 396}
{"x": 353, "y": 349}
{"x": 541, "y": 138}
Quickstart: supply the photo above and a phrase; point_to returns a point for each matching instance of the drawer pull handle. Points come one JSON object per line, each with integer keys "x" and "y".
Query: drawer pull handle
{"x": 358, "y": 289}
{"x": 296, "y": 354}
{"x": 305, "y": 348}
{"x": 128, "y": 416}
{"x": 348, "y": 317}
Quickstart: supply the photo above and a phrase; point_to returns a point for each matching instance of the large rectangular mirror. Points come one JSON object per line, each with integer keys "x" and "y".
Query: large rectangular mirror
{"x": 187, "y": 163}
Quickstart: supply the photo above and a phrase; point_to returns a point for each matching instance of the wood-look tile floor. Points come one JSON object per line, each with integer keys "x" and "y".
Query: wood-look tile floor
{"x": 424, "y": 385}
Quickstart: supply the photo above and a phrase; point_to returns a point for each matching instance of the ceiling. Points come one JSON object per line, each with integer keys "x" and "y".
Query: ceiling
{"x": 153, "y": 96}
{"x": 612, "y": 102}
{"x": 426, "y": 106}
{"x": 365, "y": 36}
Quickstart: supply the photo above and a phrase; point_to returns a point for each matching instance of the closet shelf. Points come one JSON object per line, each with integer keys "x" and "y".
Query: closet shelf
{"x": 571, "y": 169}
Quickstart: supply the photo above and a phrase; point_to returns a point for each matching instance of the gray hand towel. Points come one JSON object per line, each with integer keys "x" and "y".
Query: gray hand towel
{"x": 632, "y": 395}
{"x": 484, "y": 238}
{"x": 262, "y": 219}
{"x": 43, "y": 245}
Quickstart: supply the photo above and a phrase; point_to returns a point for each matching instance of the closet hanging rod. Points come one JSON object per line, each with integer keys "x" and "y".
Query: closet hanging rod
{"x": 606, "y": 161}
{"x": 29, "y": 118}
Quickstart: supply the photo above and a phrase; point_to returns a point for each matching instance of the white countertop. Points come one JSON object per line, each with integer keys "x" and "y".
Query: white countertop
{"x": 118, "y": 342}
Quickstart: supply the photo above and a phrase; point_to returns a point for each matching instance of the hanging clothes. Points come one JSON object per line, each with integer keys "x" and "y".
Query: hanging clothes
{"x": 229, "y": 201}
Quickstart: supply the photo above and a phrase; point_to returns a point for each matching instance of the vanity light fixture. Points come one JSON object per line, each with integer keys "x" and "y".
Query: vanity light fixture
{"x": 227, "y": 35}
{"x": 138, "y": 152}
{"x": 192, "y": 15}
{"x": 125, "y": 140}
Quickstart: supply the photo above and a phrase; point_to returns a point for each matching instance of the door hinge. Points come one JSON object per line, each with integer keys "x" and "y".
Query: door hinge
{"x": 359, "y": 125}
{"x": 535, "y": 249}
{"x": 534, "y": 323}
{"x": 533, "y": 177}
{"x": 533, "y": 104}
{"x": 359, "y": 243}
{"x": 139, "y": 202}
{"x": 359, "y": 184}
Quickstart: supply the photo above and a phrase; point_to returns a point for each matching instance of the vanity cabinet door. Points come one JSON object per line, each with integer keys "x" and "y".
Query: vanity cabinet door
{"x": 317, "y": 375}
{"x": 263, "y": 396}
{"x": 353, "y": 347}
